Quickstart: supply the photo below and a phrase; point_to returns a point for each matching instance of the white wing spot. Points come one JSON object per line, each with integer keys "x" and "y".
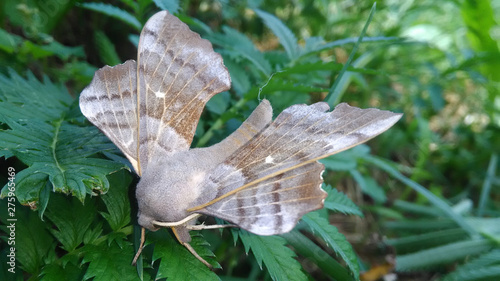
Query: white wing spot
{"x": 159, "y": 94}
{"x": 269, "y": 160}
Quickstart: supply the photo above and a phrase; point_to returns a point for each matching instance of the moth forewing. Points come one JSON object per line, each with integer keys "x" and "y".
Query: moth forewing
{"x": 178, "y": 72}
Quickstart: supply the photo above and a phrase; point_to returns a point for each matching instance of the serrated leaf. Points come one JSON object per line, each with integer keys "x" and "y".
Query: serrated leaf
{"x": 32, "y": 240}
{"x": 284, "y": 34}
{"x": 54, "y": 271}
{"x": 339, "y": 202}
{"x": 277, "y": 257}
{"x": 115, "y": 12}
{"x": 484, "y": 267}
{"x": 72, "y": 219}
{"x": 109, "y": 262}
{"x": 117, "y": 202}
{"x": 315, "y": 254}
{"x": 170, "y": 5}
{"x": 484, "y": 273}
{"x": 177, "y": 262}
{"x": 106, "y": 49}
{"x": 28, "y": 98}
{"x": 369, "y": 186}
{"x": 237, "y": 45}
{"x": 334, "y": 239}
{"x": 43, "y": 137}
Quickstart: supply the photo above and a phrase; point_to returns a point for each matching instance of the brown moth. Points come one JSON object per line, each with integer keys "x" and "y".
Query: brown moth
{"x": 263, "y": 177}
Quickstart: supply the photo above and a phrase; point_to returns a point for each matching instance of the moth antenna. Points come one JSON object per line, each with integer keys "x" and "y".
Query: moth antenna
{"x": 141, "y": 246}
{"x": 213, "y": 226}
{"x": 177, "y": 223}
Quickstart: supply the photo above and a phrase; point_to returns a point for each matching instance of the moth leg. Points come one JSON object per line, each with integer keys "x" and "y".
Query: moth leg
{"x": 213, "y": 226}
{"x": 182, "y": 234}
{"x": 141, "y": 246}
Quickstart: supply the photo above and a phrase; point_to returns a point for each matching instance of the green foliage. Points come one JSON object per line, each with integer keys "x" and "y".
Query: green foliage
{"x": 333, "y": 238}
{"x": 177, "y": 261}
{"x": 45, "y": 135}
{"x": 339, "y": 202}
{"x": 437, "y": 199}
{"x": 285, "y": 35}
{"x": 272, "y": 251}
{"x": 115, "y": 12}
{"x": 106, "y": 262}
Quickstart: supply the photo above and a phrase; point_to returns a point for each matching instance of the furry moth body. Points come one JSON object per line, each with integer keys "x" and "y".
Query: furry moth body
{"x": 263, "y": 178}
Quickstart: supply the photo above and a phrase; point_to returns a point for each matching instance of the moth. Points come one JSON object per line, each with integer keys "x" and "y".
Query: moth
{"x": 262, "y": 178}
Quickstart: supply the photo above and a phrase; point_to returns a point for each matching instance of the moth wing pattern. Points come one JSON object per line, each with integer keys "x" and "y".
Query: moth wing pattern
{"x": 110, "y": 103}
{"x": 178, "y": 72}
{"x": 151, "y": 108}
{"x": 260, "y": 118}
{"x": 269, "y": 183}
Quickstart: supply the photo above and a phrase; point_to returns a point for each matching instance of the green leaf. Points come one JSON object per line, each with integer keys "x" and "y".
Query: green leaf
{"x": 271, "y": 250}
{"x": 315, "y": 254}
{"x": 239, "y": 77}
{"x": 484, "y": 273}
{"x": 54, "y": 271}
{"x": 340, "y": 83}
{"x": 346, "y": 160}
{"x": 29, "y": 98}
{"x": 177, "y": 262}
{"x": 339, "y": 202}
{"x": 219, "y": 103}
{"x": 117, "y": 202}
{"x": 486, "y": 266}
{"x": 486, "y": 189}
{"x": 480, "y": 19}
{"x": 417, "y": 242}
{"x": 353, "y": 40}
{"x": 109, "y": 262}
{"x": 442, "y": 254}
{"x": 237, "y": 45}
{"x": 369, "y": 186}
{"x": 170, "y": 5}
{"x": 279, "y": 84}
{"x": 106, "y": 49}
{"x": 63, "y": 52}
{"x": 438, "y": 202}
{"x": 72, "y": 219}
{"x": 334, "y": 239}
{"x": 32, "y": 240}
{"x": 43, "y": 136}
{"x": 308, "y": 67}
{"x": 115, "y": 12}
{"x": 9, "y": 42}
{"x": 284, "y": 34}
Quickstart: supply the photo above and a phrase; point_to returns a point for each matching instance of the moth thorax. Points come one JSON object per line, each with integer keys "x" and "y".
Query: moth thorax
{"x": 166, "y": 195}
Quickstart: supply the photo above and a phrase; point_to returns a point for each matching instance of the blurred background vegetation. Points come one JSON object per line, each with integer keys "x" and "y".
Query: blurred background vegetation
{"x": 430, "y": 197}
